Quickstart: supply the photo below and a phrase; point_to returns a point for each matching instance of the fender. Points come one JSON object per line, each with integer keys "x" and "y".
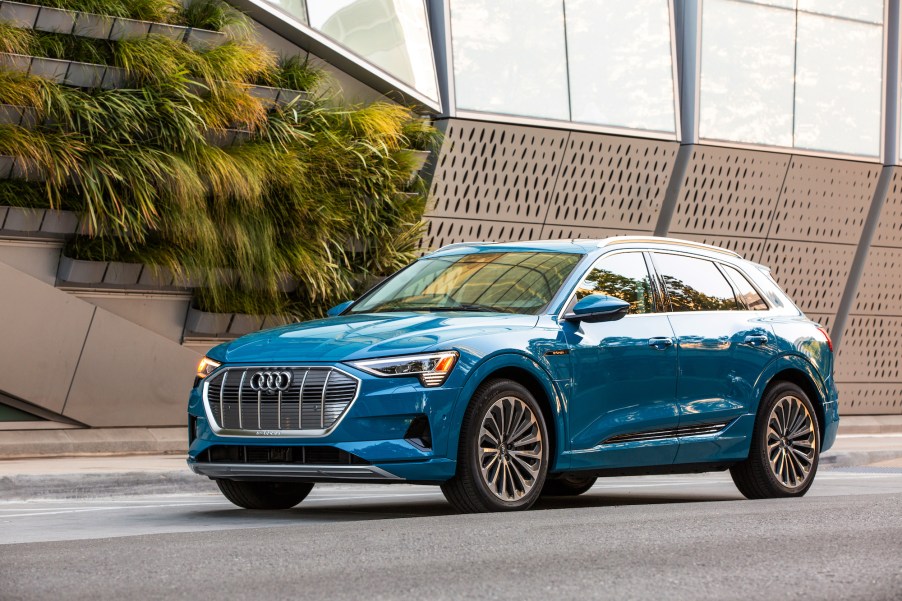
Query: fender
{"x": 493, "y": 363}
{"x": 790, "y": 361}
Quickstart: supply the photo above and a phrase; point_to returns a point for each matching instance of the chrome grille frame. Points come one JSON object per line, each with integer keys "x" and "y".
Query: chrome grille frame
{"x": 278, "y": 433}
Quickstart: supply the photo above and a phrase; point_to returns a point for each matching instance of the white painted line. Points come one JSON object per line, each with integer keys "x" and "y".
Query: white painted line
{"x": 890, "y": 435}
{"x": 91, "y": 509}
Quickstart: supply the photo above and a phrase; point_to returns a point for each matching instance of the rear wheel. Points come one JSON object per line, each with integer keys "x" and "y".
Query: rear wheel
{"x": 503, "y": 452}
{"x": 785, "y": 447}
{"x": 567, "y": 485}
{"x": 264, "y": 495}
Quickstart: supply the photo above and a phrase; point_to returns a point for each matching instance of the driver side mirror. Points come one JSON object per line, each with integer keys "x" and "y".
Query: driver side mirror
{"x": 339, "y": 308}
{"x": 598, "y": 307}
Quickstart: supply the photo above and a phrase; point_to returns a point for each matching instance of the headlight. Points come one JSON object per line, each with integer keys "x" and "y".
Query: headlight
{"x": 431, "y": 368}
{"x": 206, "y": 367}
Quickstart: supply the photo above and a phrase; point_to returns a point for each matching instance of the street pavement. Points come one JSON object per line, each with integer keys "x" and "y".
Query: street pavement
{"x": 663, "y": 537}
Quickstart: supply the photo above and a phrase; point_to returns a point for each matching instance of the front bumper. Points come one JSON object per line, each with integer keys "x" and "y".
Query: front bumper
{"x": 375, "y": 429}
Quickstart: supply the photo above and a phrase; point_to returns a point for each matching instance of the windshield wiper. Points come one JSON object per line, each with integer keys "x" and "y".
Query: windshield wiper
{"x": 473, "y": 307}
{"x": 405, "y": 309}
{"x": 433, "y": 309}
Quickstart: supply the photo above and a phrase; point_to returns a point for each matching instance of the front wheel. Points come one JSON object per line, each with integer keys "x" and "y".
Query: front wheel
{"x": 264, "y": 495}
{"x": 785, "y": 446}
{"x": 503, "y": 453}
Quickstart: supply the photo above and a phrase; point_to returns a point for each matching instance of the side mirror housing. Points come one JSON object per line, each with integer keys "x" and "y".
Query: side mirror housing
{"x": 339, "y": 308}
{"x": 598, "y": 307}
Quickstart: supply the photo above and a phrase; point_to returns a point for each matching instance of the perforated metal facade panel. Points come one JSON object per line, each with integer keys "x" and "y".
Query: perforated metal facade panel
{"x": 441, "y": 231}
{"x": 611, "y": 182}
{"x": 496, "y": 172}
{"x": 505, "y": 182}
{"x": 812, "y": 274}
{"x": 729, "y": 192}
{"x": 889, "y": 232}
{"x": 868, "y": 365}
{"x": 824, "y": 200}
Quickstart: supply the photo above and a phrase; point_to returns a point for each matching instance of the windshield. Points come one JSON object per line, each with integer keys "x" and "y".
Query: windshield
{"x": 506, "y": 282}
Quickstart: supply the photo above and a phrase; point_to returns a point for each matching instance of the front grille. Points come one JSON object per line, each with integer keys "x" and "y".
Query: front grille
{"x": 279, "y": 455}
{"x": 314, "y": 399}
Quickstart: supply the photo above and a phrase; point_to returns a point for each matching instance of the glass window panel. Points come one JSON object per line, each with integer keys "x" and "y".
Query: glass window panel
{"x": 510, "y": 57}
{"x": 296, "y": 9}
{"x": 620, "y": 63}
{"x": 694, "y": 284}
{"x": 746, "y": 293}
{"x": 513, "y": 282}
{"x": 838, "y": 85}
{"x": 391, "y": 34}
{"x": 747, "y": 73}
{"x": 623, "y": 276}
{"x": 865, "y": 10}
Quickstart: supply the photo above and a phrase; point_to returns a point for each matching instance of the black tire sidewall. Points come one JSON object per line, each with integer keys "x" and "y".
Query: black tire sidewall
{"x": 759, "y": 449}
{"x": 482, "y": 401}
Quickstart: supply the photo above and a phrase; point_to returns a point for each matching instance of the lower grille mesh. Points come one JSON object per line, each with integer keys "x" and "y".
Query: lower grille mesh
{"x": 310, "y": 398}
{"x": 279, "y": 455}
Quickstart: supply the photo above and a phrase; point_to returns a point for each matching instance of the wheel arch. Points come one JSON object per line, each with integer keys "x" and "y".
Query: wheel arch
{"x": 798, "y": 371}
{"x": 527, "y": 372}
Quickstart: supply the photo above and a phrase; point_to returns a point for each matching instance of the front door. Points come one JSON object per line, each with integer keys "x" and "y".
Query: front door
{"x": 624, "y": 372}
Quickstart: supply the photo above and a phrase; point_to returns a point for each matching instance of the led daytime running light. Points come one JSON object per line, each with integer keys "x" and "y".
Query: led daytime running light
{"x": 432, "y": 368}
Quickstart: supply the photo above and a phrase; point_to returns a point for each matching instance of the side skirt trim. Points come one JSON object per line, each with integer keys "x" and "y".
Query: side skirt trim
{"x": 693, "y": 430}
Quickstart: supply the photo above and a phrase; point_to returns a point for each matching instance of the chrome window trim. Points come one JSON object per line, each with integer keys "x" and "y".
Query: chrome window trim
{"x": 274, "y": 434}
{"x": 645, "y": 251}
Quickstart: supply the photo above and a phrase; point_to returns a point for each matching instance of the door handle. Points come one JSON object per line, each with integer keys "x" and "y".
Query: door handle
{"x": 660, "y": 343}
{"x": 755, "y": 340}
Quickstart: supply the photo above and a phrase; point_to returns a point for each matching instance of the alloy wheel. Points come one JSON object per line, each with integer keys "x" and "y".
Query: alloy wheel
{"x": 791, "y": 442}
{"x": 510, "y": 448}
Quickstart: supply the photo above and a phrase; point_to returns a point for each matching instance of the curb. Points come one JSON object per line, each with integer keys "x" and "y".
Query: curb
{"x": 24, "y": 487}
{"x": 857, "y": 458}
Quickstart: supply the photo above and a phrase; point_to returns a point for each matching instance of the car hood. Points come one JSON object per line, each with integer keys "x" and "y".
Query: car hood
{"x": 366, "y": 335}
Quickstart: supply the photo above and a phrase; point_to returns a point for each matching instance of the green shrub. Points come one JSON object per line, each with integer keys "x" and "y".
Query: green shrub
{"x": 316, "y": 191}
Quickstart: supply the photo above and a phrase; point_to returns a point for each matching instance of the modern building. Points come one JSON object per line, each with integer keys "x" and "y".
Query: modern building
{"x": 767, "y": 126}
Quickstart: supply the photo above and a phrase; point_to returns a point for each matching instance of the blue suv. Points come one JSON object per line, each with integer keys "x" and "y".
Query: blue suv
{"x": 504, "y": 372}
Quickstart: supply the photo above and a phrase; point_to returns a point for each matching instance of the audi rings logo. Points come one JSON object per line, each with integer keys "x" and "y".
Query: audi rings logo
{"x": 271, "y": 381}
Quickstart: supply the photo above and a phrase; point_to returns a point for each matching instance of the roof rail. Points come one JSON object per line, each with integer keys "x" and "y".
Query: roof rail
{"x": 661, "y": 240}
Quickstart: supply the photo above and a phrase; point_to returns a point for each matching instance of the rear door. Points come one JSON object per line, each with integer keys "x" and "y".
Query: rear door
{"x": 624, "y": 371}
{"x": 723, "y": 340}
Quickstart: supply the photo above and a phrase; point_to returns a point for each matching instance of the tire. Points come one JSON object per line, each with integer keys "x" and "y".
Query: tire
{"x": 264, "y": 495}
{"x": 516, "y": 461}
{"x": 787, "y": 422}
{"x": 567, "y": 485}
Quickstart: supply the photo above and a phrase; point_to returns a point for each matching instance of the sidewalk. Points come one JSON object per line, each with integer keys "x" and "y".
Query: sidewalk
{"x": 99, "y": 476}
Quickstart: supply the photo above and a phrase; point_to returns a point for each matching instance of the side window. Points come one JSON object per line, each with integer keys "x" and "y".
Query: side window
{"x": 746, "y": 293}
{"x": 694, "y": 284}
{"x": 624, "y": 276}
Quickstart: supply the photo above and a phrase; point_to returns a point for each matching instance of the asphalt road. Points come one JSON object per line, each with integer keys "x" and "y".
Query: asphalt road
{"x": 675, "y": 537}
